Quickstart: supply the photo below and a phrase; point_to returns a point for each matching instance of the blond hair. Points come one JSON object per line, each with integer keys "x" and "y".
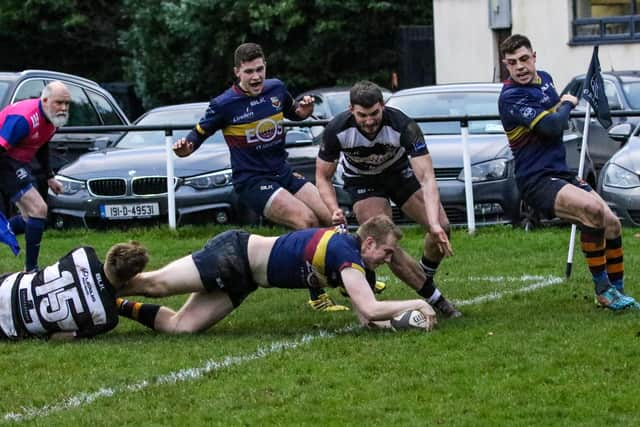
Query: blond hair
{"x": 379, "y": 227}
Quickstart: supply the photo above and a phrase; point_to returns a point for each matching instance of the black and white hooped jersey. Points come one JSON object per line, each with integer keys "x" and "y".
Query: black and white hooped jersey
{"x": 72, "y": 295}
{"x": 398, "y": 139}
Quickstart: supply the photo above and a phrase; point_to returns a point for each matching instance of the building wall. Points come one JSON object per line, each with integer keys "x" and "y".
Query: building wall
{"x": 466, "y": 49}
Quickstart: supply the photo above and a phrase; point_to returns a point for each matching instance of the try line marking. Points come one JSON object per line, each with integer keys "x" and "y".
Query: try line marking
{"x": 85, "y": 398}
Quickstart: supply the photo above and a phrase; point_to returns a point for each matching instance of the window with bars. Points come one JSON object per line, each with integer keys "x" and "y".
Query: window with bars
{"x": 606, "y": 21}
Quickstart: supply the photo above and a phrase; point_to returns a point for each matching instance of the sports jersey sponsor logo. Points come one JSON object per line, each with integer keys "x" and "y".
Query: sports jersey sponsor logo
{"x": 527, "y": 112}
{"x": 245, "y": 116}
{"x": 275, "y": 101}
{"x": 26, "y": 306}
{"x": 258, "y": 101}
{"x": 265, "y": 131}
{"x": 313, "y": 278}
{"x": 85, "y": 278}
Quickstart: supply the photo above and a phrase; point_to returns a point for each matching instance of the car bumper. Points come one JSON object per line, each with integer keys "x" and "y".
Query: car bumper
{"x": 495, "y": 202}
{"x": 191, "y": 206}
{"x": 625, "y": 203}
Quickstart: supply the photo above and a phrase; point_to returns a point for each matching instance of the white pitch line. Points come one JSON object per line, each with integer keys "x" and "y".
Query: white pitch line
{"x": 190, "y": 374}
{"x": 170, "y": 378}
{"x": 543, "y": 282}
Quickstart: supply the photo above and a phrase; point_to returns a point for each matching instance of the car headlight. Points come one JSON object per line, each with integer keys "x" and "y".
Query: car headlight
{"x": 616, "y": 176}
{"x": 210, "y": 180}
{"x": 71, "y": 186}
{"x": 487, "y": 171}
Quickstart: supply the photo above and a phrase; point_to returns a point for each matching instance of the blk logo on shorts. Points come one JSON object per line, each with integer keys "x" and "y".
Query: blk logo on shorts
{"x": 21, "y": 173}
{"x": 266, "y": 187}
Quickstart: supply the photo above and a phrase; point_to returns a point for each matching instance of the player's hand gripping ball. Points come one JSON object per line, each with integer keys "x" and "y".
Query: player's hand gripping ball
{"x": 411, "y": 319}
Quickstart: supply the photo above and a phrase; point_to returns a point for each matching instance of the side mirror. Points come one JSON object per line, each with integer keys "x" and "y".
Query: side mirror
{"x": 621, "y": 132}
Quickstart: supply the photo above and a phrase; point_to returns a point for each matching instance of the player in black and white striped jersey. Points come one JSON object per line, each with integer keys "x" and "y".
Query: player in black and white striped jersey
{"x": 73, "y": 298}
{"x": 384, "y": 157}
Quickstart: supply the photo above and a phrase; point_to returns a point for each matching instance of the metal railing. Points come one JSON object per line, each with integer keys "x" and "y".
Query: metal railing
{"x": 464, "y": 134}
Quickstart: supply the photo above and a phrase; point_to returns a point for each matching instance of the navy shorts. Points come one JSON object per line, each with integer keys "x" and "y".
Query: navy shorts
{"x": 223, "y": 265}
{"x": 258, "y": 192}
{"x": 16, "y": 178}
{"x": 541, "y": 193}
{"x": 398, "y": 186}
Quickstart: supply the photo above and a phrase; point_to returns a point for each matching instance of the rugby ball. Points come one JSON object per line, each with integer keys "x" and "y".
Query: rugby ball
{"x": 411, "y": 319}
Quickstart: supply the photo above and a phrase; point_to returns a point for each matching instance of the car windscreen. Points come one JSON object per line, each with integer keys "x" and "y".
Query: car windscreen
{"x": 445, "y": 104}
{"x": 140, "y": 139}
{"x": 338, "y": 102}
{"x": 632, "y": 91}
{"x": 3, "y": 89}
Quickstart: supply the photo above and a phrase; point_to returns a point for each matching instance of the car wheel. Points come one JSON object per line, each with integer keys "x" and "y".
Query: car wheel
{"x": 529, "y": 217}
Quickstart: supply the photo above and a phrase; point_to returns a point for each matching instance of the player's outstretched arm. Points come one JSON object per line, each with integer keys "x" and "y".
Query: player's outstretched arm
{"x": 371, "y": 310}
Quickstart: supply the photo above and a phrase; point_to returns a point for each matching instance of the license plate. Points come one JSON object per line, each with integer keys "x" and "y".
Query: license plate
{"x": 134, "y": 210}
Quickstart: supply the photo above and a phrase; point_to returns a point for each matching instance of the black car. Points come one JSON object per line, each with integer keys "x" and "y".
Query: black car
{"x": 623, "y": 93}
{"x": 128, "y": 181}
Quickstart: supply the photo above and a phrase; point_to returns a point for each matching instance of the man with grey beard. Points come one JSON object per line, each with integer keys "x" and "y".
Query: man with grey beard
{"x": 25, "y": 130}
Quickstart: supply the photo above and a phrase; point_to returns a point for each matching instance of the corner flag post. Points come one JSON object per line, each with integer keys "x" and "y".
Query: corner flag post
{"x": 593, "y": 92}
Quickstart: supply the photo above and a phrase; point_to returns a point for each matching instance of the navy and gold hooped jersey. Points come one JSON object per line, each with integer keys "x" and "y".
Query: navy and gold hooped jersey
{"x": 251, "y": 128}
{"x": 313, "y": 258}
{"x": 521, "y": 109}
{"x": 72, "y": 295}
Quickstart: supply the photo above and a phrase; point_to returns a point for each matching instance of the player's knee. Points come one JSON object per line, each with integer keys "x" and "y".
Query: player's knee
{"x": 37, "y": 210}
{"x": 307, "y": 220}
{"x": 596, "y": 213}
{"x": 613, "y": 226}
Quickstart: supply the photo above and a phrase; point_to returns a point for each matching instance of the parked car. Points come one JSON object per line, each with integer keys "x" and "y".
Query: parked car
{"x": 129, "y": 182}
{"x": 623, "y": 93}
{"x": 496, "y": 197}
{"x": 330, "y": 101}
{"x": 91, "y": 105}
{"x": 619, "y": 183}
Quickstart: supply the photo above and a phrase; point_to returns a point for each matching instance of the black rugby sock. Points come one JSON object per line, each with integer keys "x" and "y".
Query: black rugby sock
{"x": 140, "y": 312}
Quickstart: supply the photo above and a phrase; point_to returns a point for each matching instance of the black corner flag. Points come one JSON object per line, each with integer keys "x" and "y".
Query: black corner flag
{"x": 593, "y": 91}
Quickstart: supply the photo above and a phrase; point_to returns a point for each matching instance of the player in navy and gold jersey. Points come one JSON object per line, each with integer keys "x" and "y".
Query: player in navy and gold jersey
{"x": 534, "y": 117}
{"x": 384, "y": 157}
{"x": 249, "y": 114}
{"x": 73, "y": 298}
{"x": 233, "y": 264}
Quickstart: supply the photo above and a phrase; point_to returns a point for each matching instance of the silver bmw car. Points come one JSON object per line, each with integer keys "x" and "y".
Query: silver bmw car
{"x": 127, "y": 182}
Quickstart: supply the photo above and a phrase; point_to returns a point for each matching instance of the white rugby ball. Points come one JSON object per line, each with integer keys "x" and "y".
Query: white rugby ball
{"x": 411, "y": 319}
